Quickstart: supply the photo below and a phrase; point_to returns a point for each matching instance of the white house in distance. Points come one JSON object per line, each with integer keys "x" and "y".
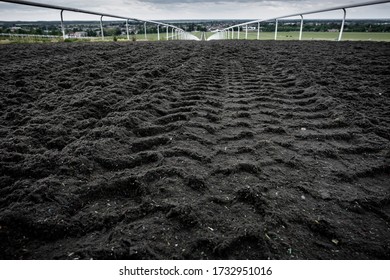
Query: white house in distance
{"x": 250, "y": 28}
{"x": 81, "y": 34}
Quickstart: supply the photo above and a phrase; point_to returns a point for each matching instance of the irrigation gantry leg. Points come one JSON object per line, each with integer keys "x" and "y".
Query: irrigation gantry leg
{"x": 62, "y": 24}
{"x": 232, "y": 33}
{"x": 101, "y": 27}
{"x": 238, "y": 32}
{"x": 158, "y": 32}
{"x": 301, "y": 30}
{"x": 276, "y": 28}
{"x": 258, "y": 31}
{"x": 246, "y": 32}
{"x": 167, "y": 33}
{"x": 127, "y": 29}
{"x": 342, "y": 25}
{"x": 146, "y": 38}
{"x": 173, "y": 30}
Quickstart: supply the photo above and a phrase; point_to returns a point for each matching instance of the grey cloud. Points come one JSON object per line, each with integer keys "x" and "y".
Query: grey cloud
{"x": 168, "y": 2}
{"x": 80, "y": 4}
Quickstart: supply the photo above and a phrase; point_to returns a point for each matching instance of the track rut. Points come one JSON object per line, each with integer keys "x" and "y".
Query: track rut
{"x": 206, "y": 150}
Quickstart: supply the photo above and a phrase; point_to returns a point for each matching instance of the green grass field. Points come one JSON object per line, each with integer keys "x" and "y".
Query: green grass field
{"x": 332, "y": 36}
{"x": 139, "y": 37}
{"x": 347, "y": 36}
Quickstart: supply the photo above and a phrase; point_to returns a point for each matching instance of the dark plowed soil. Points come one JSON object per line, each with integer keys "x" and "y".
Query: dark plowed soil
{"x": 195, "y": 150}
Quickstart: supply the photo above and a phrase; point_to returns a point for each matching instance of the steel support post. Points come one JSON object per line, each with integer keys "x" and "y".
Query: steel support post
{"x": 146, "y": 38}
{"x": 158, "y": 32}
{"x": 276, "y": 28}
{"x": 167, "y": 33}
{"x": 173, "y": 30}
{"x": 127, "y": 29}
{"x": 101, "y": 27}
{"x": 62, "y": 25}
{"x": 342, "y": 25}
{"x": 258, "y": 31}
{"x": 246, "y": 32}
{"x": 232, "y": 33}
{"x": 301, "y": 29}
{"x": 238, "y": 32}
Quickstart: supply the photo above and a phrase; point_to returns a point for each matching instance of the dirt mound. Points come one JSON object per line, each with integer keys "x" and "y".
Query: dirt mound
{"x": 195, "y": 150}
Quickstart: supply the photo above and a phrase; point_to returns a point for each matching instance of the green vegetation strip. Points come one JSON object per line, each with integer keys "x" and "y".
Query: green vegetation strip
{"x": 347, "y": 36}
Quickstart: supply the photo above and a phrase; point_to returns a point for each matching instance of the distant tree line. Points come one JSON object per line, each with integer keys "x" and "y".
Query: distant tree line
{"x": 324, "y": 27}
{"x": 119, "y": 28}
{"x": 194, "y": 27}
{"x": 91, "y": 31}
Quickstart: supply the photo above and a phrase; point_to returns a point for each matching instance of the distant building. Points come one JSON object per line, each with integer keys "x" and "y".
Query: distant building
{"x": 15, "y": 28}
{"x": 80, "y": 34}
{"x": 77, "y": 34}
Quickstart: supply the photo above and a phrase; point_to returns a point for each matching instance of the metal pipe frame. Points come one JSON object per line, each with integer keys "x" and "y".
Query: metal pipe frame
{"x": 258, "y": 31}
{"x": 62, "y": 8}
{"x": 146, "y": 37}
{"x": 101, "y": 26}
{"x": 167, "y": 33}
{"x": 301, "y": 29}
{"x": 158, "y": 32}
{"x": 357, "y": 5}
{"x": 276, "y": 29}
{"x": 127, "y": 29}
{"x": 246, "y": 32}
{"x": 342, "y": 25}
{"x": 62, "y": 25}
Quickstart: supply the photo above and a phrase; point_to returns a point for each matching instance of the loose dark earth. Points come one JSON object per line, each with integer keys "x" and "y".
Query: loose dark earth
{"x": 195, "y": 150}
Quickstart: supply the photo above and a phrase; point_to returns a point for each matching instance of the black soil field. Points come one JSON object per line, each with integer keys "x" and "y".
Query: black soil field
{"x": 195, "y": 150}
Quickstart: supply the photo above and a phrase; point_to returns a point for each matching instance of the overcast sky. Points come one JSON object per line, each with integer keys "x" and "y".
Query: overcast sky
{"x": 188, "y": 9}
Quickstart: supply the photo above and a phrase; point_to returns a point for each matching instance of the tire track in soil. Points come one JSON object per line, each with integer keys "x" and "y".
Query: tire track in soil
{"x": 209, "y": 150}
